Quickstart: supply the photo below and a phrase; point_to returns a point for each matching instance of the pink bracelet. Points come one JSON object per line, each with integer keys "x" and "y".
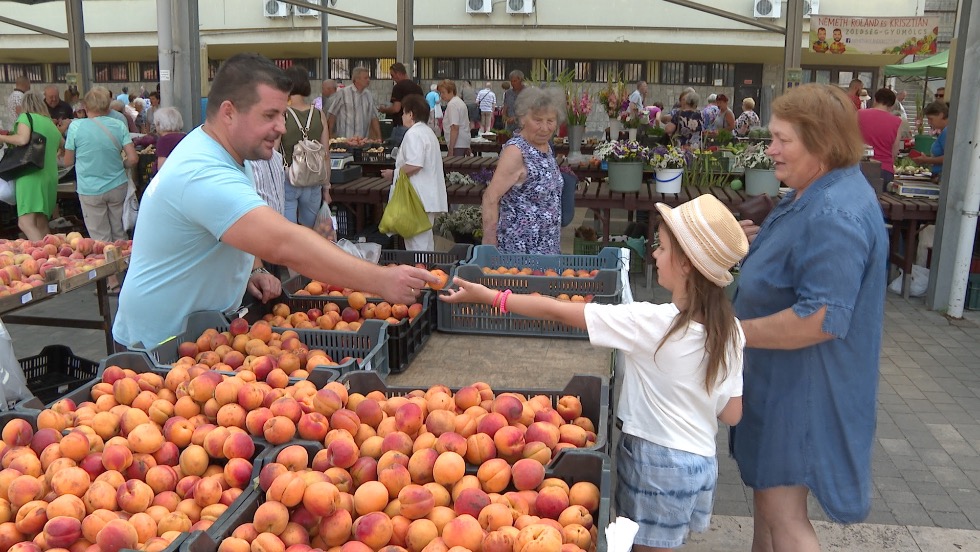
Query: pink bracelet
{"x": 496, "y": 300}
{"x": 503, "y": 301}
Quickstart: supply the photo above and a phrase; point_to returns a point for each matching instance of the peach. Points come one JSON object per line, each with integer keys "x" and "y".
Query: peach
{"x": 369, "y": 412}
{"x": 373, "y": 529}
{"x": 194, "y": 460}
{"x": 394, "y": 477}
{"x": 327, "y": 401}
{"x": 238, "y": 446}
{"x": 364, "y": 469}
{"x": 421, "y": 465}
{"x": 494, "y": 516}
{"x": 267, "y": 542}
{"x": 320, "y": 498}
{"x": 527, "y": 474}
{"x": 117, "y": 457}
{"x": 271, "y": 517}
{"x": 494, "y": 475}
{"x": 100, "y": 495}
{"x": 371, "y": 496}
{"x": 75, "y": 445}
{"x": 569, "y": 407}
{"x": 584, "y": 494}
{"x": 288, "y": 488}
{"x": 342, "y": 453}
{"x": 208, "y": 491}
{"x": 398, "y": 440}
{"x": 509, "y": 406}
{"x": 491, "y": 423}
{"x": 471, "y": 501}
{"x": 116, "y": 535}
{"x": 145, "y": 438}
{"x": 449, "y": 468}
{"x": 409, "y": 418}
{"x": 294, "y": 457}
{"x": 67, "y": 506}
{"x": 62, "y": 531}
{"x": 509, "y": 441}
{"x": 480, "y": 448}
{"x": 498, "y": 541}
{"x": 31, "y": 517}
{"x": 24, "y": 489}
{"x": 233, "y": 544}
{"x": 134, "y": 496}
{"x": 544, "y": 432}
{"x": 174, "y": 521}
{"x": 313, "y": 426}
{"x": 573, "y": 435}
{"x": 451, "y": 441}
{"x": 576, "y": 514}
{"x": 551, "y": 502}
{"x": 70, "y": 480}
{"x": 463, "y": 531}
{"x": 278, "y": 430}
{"x": 335, "y": 529}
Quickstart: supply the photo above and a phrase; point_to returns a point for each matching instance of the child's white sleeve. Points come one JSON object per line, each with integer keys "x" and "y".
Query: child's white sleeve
{"x": 630, "y": 327}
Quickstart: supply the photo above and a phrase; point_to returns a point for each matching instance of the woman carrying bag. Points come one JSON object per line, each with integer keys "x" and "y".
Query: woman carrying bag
{"x": 36, "y": 191}
{"x": 420, "y": 159}
{"x": 303, "y": 203}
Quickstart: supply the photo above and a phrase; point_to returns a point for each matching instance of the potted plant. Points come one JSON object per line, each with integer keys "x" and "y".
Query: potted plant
{"x": 760, "y": 177}
{"x": 462, "y": 225}
{"x": 669, "y": 163}
{"x": 502, "y": 136}
{"x": 625, "y": 160}
{"x": 612, "y": 98}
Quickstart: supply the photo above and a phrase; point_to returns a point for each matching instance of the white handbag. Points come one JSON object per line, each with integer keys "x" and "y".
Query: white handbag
{"x": 308, "y": 167}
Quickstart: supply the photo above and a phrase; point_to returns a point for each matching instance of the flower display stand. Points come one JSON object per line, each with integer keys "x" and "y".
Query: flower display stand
{"x": 669, "y": 181}
{"x": 625, "y": 176}
{"x": 761, "y": 181}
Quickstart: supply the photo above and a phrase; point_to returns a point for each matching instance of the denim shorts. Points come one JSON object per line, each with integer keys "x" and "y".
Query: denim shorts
{"x": 668, "y": 492}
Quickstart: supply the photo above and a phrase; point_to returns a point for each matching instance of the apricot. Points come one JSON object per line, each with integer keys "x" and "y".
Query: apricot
{"x": 174, "y": 521}
{"x": 463, "y": 531}
{"x": 70, "y": 481}
{"x": 551, "y": 502}
{"x": 18, "y": 433}
{"x": 471, "y": 501}
{"x": 278, "y": 430}
{"x": 271, "y": 517}
{"x": 233, "y": 544}
{"x": 374, "y": 529}
{"x": 134, "y": 496}
{"x": 62, "y": 532}
{"x": 584, "y": 494}
{"x": 145, "y": 438}
{"x": 494, "y": 475}
{"x": 480, "y": 448}
{"x": 527, "y": 474}
{"x": 116, "y": 535}
{"x": 31, "y": 517}
{"x": 267, "y": 542}
{"x": 335, "y": 529}
{"x": 421, "y": 465}
{"x": 415, "y": 501}
{"x": 238, "y": 446}
{"x": 394, "y": 477}
{"x": 24, "y": 489}
{"x": 371, "y": 496}
{"x": 498, "y": 541}
{"x": 289, "y": 489}
{"x": 67, "y": 506}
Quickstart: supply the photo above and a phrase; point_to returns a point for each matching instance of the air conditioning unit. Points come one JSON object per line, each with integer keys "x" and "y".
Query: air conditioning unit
{"x": 272, "y": 8}
{"x": 766, "y": 8}
{"x": 303, "y": 11}
{"x": 479, "y": 6}
{"x": 520, "y": 7}
{"x": 810, "y": 7}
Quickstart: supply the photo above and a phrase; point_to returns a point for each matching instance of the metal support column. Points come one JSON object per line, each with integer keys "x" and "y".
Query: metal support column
{"x": 165, "y": 51}
{"x": 405, "y": 49}
{"x": 80, "y": 58}
{"x": 187, "y": 58}
{"x": 793, "y": 53}
{"x": 324, "y": 47}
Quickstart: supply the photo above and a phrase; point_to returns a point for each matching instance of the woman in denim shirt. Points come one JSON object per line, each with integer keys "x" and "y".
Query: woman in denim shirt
{"x": 811, "y": 301}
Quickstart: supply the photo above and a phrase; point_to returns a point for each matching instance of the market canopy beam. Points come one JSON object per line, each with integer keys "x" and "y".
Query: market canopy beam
{"x": 728, "y": 15}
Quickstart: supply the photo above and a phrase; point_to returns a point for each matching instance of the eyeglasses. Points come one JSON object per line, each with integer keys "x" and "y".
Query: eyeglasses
{"x": 940, "y": 95}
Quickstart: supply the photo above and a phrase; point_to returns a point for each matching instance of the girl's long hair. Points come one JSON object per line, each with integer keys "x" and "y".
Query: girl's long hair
{"x": 707, "y": 303}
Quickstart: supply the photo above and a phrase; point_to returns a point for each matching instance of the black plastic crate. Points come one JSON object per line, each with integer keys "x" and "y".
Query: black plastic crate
{"x": 405, "y": 339}
{"x": 369, "y": 344}
{"x": 56, "y": 371}
{"x": 460, "y": 253}
{"x": 18, "y": 414}
{"x": 136, "y": 361}
{"x": 592, "y": 391}
{"x": 472, "y": 318}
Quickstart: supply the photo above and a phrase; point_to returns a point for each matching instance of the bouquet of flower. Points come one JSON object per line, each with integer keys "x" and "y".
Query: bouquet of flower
{"x": 463, "y": 221}
{"x": 578, "y": 105}
{"x": 669, "y": 157}
{"x": 622, "y": 151}
{"x": 612, "y": 98}
{"x": 455, "y": 178}
{"x": 631, "y": 120}
{"x": 754, "y": 157}
{"x": 482, "y": 176}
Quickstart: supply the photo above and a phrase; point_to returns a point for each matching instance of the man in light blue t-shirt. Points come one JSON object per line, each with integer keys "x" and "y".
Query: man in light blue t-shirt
{"x": 203, "y": 230}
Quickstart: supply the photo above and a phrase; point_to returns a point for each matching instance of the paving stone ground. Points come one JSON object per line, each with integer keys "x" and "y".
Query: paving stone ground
{"x": 926, "y": 455}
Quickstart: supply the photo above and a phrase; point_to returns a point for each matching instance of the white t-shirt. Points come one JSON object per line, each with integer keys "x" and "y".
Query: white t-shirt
{"x": 636, "y": 100}
{"x": 487, "y": 99}
{"x": 456, "y": 114}
{"x": 420, "y": 148}
{"x": 663, "y": 398}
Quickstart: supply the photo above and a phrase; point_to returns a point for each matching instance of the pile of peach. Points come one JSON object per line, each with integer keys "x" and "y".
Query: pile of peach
{"x": 316, "y": 287}
{"x": 335, "y": 317}
{"x": 24, "y": 264}
{"x": 122, "y": 471}
{"x": 415, "y": 502}
{"x": 567, "y": 273}
{"x": 256, "y": 349}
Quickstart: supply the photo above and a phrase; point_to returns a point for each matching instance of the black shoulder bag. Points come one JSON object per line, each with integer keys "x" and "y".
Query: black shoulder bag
{"x": 22, "y": 160}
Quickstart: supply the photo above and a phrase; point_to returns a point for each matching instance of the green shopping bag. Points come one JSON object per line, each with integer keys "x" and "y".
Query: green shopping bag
{"x": 404, "y": 214}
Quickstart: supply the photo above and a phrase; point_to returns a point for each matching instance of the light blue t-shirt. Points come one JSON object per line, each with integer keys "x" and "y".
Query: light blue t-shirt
{"x": 98, "y": 163}
{"x": 179, "y": 265}
{"x": 939, "y": 150}
{"x": 119, "y": 117}
{"x": 432, "y": 98}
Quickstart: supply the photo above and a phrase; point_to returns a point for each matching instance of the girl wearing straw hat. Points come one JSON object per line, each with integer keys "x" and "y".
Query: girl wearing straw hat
{"x": 683, "y": 368}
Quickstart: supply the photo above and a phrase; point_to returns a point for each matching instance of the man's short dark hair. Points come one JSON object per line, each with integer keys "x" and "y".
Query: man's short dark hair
{"x": 155, "y": 94}
{"x": 824, "y": 29}
{"x": 885, "y": 97}
{"x": 238, "y": 79}
{"x": 937, "y": 108}
{"x": 398, "y": 67}
{"x": 125, "y": 90}
{"x": 417, "y": 106}
{"x": 300, "y": 77}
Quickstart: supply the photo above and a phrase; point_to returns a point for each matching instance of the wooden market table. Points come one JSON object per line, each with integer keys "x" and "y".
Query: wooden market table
{"x": 906, "y": 215}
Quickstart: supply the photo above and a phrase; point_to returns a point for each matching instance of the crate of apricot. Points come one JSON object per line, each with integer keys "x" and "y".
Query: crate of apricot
{"x": 604, "y": 287}
{"x": 211, "y": 339}
{"x": 408, "y": 326}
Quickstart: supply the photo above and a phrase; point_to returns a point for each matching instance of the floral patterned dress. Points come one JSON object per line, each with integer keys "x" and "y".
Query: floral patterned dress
{"x": 689, "y": 127}
{"x": 530, "y": 212}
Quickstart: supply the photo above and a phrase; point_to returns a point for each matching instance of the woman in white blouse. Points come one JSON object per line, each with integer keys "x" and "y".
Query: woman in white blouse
{"x": 420, "y": 158}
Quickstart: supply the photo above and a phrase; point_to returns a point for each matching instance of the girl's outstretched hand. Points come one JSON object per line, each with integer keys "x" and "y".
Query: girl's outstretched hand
{"x": 468, "y": 292}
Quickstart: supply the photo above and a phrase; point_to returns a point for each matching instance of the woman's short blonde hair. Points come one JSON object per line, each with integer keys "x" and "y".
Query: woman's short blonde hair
{"x": 34, "y": 103}
{"x": 97, "y": 100}
{"x": 826, "y": 122}
{"x": 448, "y": 86}
{"x": 748, "y": 103}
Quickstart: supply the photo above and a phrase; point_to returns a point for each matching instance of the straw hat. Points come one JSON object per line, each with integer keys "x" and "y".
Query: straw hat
{"x": 709, "y": 235}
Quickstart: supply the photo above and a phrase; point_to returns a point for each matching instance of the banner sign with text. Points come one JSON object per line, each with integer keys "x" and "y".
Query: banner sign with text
{"x": 832, "y": 34}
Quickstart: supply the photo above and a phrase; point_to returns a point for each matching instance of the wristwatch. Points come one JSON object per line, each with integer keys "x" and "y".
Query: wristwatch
{"x": 259, "y": 270}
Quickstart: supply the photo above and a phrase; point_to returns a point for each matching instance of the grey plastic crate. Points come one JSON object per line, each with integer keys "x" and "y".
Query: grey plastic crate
{"x": 369, "y": 343}
{"x": 592, "y": 391}
{"x": 471, "y": 318}
{"x": 488, "y": 255}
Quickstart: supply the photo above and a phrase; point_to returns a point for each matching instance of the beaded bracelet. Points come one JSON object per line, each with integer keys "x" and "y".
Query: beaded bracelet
{"x": 503, "y": 301}
{"x": 496, "y": 300}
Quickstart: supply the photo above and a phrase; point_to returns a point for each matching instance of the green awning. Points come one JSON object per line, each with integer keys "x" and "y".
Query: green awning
{"x": 932, "y": 67}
